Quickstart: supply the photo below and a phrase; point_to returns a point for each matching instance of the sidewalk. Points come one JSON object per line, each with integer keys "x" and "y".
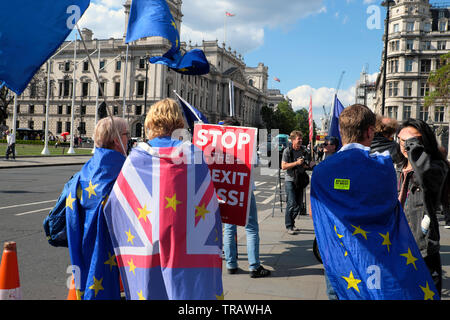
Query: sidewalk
{"x": 38, "y": 161}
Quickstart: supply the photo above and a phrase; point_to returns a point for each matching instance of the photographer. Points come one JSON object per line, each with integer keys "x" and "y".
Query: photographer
{"x": 295, "y": 160}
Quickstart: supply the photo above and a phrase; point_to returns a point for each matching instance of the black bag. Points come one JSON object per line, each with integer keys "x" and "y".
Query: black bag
{"x": 301, "y": 178}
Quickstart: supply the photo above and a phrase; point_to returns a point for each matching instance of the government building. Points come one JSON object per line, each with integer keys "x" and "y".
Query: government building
{"x": 121, "y": 77}
{"x": 418, "y": 36}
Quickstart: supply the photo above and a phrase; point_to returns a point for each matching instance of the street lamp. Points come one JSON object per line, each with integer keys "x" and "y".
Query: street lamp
{"x": 386, "y": 4}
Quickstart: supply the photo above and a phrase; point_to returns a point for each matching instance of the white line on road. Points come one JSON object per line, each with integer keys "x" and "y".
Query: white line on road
{"x": 27, "y": 204}
{"x": 34, "y": 211}
{"x": 269, "y": 199}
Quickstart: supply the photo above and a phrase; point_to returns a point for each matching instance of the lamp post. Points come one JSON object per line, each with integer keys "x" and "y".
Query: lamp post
{"x": 147, "y": 57}
{"x": 386, "y": 4}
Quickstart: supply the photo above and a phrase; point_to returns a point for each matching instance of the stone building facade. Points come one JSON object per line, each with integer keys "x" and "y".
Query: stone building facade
{"x": 209, "y": 93}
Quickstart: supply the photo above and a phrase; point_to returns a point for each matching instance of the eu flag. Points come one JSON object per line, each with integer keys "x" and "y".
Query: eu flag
{"x": 364, "y": 239}
{"x": 94, "y": 264}
{"x": 163, "y": 217}
{"x": 191, "y": 114}
{"x": 30, "y": 32}
{"x": 152, "y": 18}
{"x": 334, "y": 126}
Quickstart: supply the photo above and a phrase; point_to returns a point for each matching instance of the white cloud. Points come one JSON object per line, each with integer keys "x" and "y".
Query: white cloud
{"x": 105, "y": 18}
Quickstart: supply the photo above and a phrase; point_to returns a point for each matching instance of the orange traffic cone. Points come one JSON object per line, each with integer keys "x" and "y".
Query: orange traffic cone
{"x": 72, "y": 295}
{"x": 9, "y": 273}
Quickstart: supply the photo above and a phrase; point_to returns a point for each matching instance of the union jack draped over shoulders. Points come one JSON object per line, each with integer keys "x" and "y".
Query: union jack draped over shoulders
{"x": 164, "y": 221}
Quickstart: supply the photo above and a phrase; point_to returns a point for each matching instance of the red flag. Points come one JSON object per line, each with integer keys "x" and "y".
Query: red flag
{"x": 311, "y": 127}
{"x": 276, "y": 79}
{"x": 229, "y": 14}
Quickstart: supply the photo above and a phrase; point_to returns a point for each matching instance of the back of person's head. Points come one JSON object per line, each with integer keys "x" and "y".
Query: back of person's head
{"x": 354, "y": 121}
{"x": 386, "y": 126}
{"x": 163, "y": 118}
{"x": 231, "y": 122}
{"x": 428, "y": 138}
{"x": 105, "y": 131}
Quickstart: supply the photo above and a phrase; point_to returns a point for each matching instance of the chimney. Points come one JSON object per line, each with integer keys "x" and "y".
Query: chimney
{"x": 87, "y": 34}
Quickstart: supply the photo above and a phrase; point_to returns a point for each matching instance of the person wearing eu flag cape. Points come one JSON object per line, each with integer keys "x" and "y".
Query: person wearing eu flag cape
{"x": 366, "y": 245}
{"x": 92, "y": 256}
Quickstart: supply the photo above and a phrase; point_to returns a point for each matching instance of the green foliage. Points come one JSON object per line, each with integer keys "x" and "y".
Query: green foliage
{"x": 439, "y": 80}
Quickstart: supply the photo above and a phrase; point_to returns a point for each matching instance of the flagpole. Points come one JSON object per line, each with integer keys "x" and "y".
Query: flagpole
{"x": 45, "y": 151}
{"x": 71, "y": 150}
{"x": 14, "y": 124}
{"x": 125, "y": 83}
{"x": 225, "y": 29}
{"x": 118, "y": 135}
{"x": 97, "y": 94}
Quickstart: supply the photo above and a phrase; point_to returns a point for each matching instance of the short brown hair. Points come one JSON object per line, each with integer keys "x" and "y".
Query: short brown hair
{"x": 354, "y": 122}
{"x": 163, "y": 118}
{"x": 386, "y": 126}
{"x": 295, "y": 134}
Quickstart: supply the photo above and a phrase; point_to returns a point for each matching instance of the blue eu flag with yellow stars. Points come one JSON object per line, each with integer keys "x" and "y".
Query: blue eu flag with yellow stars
{"x": 94, "y": 264}
{"x": 152, "y": 18}
{"x": 366, "y": 245}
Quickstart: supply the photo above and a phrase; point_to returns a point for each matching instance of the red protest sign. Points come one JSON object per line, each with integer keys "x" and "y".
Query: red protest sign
{"x": 230, "y": 153}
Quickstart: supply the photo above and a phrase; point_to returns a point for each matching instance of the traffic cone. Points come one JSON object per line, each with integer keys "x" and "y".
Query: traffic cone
{"x": 9, "y": 273}
{"x": 72, "y": 295}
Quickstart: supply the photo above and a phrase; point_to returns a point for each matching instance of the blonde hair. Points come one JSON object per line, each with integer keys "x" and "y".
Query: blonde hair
{"x": 105, "y": 131}
{"x": 163, "y": 118}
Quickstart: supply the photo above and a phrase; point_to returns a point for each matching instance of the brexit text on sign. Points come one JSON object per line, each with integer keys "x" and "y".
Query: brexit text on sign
{"x": 230, "y": 153}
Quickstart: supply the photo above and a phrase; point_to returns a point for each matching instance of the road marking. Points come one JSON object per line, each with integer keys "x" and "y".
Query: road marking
{"x": 258, "y": 183}
{"x": 268, "y": 199}
{"x": 34, "y": 211}
{"x": 27, "y": 204}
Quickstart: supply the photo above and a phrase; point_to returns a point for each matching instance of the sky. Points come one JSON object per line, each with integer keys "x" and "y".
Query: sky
{"x": 307, "y": 44}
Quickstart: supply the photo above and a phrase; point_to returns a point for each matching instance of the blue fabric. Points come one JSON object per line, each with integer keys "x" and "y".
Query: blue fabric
{"x": 152, "y": 18}
{"x": 191, "y": 114}
{"x": 334, "y": 126}
{"x": 91, "y": 252}
{"x": 30, "y": 33}
{"x": 366, "y": 245}
{"x": 252, "y": 232}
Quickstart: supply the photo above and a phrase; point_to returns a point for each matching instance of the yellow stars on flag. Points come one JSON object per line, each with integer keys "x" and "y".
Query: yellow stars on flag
{"x": 111, "y": 261}
{"x": 172, "y": 202}
{"x": 221, "y": 297}
{"x": 410, "y": 259}
{"x": 69, "y": 201}
{"x": 105, "y": 200}
{"x": 201, "y": 211}
{"x": 80, "y": 193}
{"x": 358, "y": 230}
{"x": 91, "y": 189}
{"x": 97, "y": 286}
{"x": 132, "y": 266}
{"x": 140, "y": 295}
{"x": 429, "y": 294}
{"x": 386, "y": 241}
{"x": 340, "y": 236}
{"x": 130, "y": 236}
{"x": 143, "y": 213}
{"x": 352, "y": 282}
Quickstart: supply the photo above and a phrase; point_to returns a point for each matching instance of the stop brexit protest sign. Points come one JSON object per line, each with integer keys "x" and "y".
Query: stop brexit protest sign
{"x": 230, "y": 153}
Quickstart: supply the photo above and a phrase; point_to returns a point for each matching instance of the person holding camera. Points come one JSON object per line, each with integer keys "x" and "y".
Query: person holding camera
{"x": 295, "y": 160}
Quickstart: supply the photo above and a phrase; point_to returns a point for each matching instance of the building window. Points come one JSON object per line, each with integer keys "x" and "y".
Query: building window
{"x": 31, "y": 109}
{"x": 85, "y": 89}
{"x": 392, "y": 112}
{"x": 439, "y": 114}
{"x": 68, "y": 126}
{"x": 424, "y": 89}
{"x": 406, "y": 112}
{"x": 82, "y": 110}
{"x": 441, "y": 45}
{"x": 86, "y": 66}
{"x": 102, "y": 91}
{"x": 409, "y": 44}
{"x": 118, "y": 65}
{"x": 409, "y": 65}
{"x": 60, "y": 109}
{"x": 116, "y": 110}
{"x": 396, "y": 27}
{"x": 425, "y": 65}
{"x": 393, "y": 66}
{"x": 140, "y": 88}
{"x": 426, "y": 45}
{"x": 82, "y": 128}
{"x": 407, "y": 89}
{"x": 102, "y": 64}
{"x": 138, "y": 110}
{"x": 410, "y": 27}
{"x": 395, "y": 45}
{"x": 393, "y": 89}
{"x": 117, "y": 89}
{"x": 68, "y": 109}
{"x": 59, "y": 127}
{"x": 427, "y": 27}
{"x": 442, "y": 26}
{"x": 66, "y": 87}
{"x": 142, "y": 63}
{"x": 31, "y": 124}
{"x": 67, "y": 66}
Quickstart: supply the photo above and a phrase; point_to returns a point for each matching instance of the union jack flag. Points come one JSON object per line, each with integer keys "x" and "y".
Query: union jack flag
{"x": 164, "y": 221}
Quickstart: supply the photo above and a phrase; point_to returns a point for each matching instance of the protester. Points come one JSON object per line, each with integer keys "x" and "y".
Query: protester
{"x": 91, "y": 250}
{"x": 330, "y": 146}
{"x": 365, "y": 243}
{"x": 163, "y": 216}
{"x": 421, "y": 181}
{"x": 256, "y": 270}
{"x": 385, "y": 130}
{"x": 295, "y": 160}
{"x": 11, "y": 148}
{"x": 446, "y": 193}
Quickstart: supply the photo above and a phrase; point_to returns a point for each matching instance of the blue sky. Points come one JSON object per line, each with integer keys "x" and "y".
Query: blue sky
{"x": 305, "y": 43}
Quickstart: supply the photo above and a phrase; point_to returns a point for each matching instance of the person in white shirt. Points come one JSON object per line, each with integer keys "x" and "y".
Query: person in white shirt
{"x": 11, "y": 149}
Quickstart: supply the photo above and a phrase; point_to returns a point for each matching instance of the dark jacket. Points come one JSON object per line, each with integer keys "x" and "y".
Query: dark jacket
{"x": 424, "y": 188}
{"x": 381, "y": 144}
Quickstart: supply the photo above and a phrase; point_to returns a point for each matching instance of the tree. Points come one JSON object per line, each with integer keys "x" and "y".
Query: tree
{"x": 439, "y": 80}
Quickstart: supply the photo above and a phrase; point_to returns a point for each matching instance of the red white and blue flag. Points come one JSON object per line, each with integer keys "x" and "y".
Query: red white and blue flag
{"x": 163, "y": 218}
